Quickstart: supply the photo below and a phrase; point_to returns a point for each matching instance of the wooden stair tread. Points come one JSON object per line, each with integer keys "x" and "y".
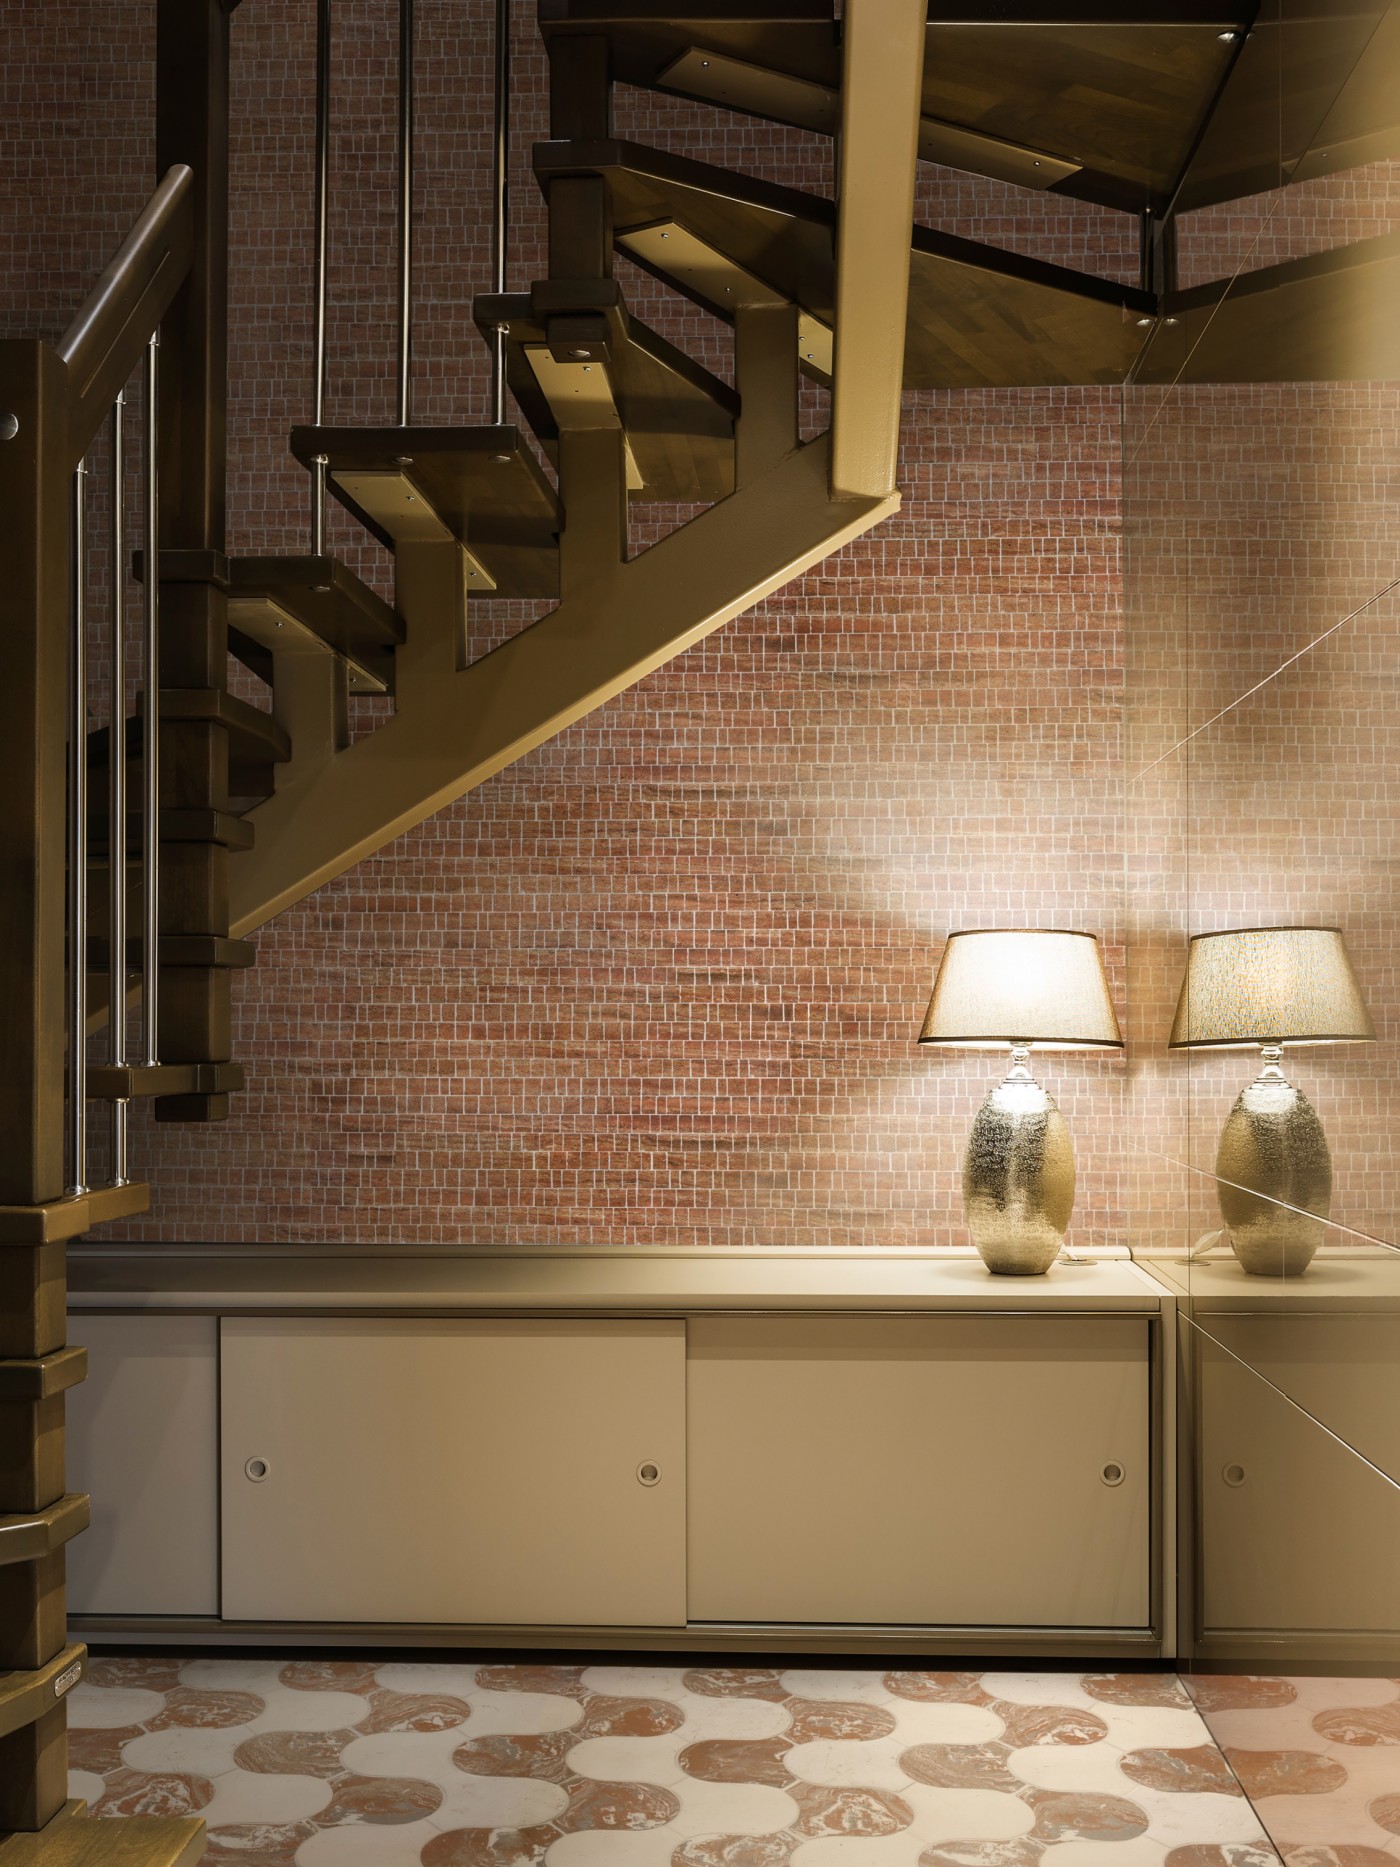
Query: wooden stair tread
{"x": 70, "y": 1218}
{"x": 27, "y": 1535}
{"x": 483, "y": 484}
{"x": 677, "y": 417}
{"x": 176, "y": 950}
{"x": 79, "y": 1840}
{"x": 329, "y": 602}
{"x": 978, "y": 316}
{"x": 1113, "y": 105}
{"x": 255, "y": 738}
{"x": 44, "y": 1377}
{"x": 173, "y": 826}
{"x": 116, "y": 1082}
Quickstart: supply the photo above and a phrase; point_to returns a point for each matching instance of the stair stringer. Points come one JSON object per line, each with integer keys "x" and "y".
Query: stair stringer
{"x": 454, "y": 728}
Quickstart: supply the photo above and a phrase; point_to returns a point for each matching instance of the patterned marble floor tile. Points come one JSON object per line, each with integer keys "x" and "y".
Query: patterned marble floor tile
{"x": 1318, "y": 1756}
{"x": 344, "y": 1763}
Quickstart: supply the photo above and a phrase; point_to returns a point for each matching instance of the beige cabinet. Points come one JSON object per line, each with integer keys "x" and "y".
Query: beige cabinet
{"x": 1298, "y": 1533}
{"x": 143, "y": 1436}
{"x": 969, "y": 1471}
{"x": 441, "y": 1471}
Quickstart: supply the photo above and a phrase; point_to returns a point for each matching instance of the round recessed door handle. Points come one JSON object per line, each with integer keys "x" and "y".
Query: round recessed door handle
{"x": 1113, "y": 1473}
{"x": 648, "y": 1473}
{"x": 1233, "y": 1476}
{"x": 256, "y": 1469}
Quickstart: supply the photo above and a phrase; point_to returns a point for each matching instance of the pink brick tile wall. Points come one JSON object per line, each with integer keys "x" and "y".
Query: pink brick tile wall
{"x": 659, "y": 982}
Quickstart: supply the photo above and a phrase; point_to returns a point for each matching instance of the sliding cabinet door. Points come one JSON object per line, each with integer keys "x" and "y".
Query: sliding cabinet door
{"x": 441, "y": 1471}
{"x": 946, "y": 1471}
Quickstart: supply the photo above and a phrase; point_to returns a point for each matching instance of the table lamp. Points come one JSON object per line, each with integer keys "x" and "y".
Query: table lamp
{"x": 1271, "y": 986}
{"x": 1033, "y": 986}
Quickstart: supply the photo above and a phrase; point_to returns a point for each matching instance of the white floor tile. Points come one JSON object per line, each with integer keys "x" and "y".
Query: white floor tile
{"x": 627, "y": 1760}
{"x": 108, "y": 1708}
{"x": 731, "y": 1809}
{"x": 87, "y": 1785}
{"x": 188, "y": 1748}
{"x": 729, "y": 1717}
{"x": 1181, "y": 1818}
{"x": 1152, "y": 1727}
{"x": 635, "y": 1681}
{"x": 498, "y": 1802}
{"x": 943, "y": 1722}
{"x": 252, "y": 1796}
{"x": 844, "y": 1763}
{"x": 1296, "y": 1821}
{"x": 1322, "y": 1694}
{"x": 967, "y": 1814}
{"x": 1143, "y": 1852}
{"x": 285, "y": 1709}
{"x": 1091, "y": 1767}
{"x": 425, "y": 1756}
{"x": 519, "y": 1714}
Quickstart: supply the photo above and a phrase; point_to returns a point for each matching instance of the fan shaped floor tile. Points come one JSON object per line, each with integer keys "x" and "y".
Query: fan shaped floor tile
{"x": 349, "y": 1763}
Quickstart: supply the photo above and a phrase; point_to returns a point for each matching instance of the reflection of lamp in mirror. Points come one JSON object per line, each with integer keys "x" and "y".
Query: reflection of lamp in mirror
{"x": 1020, "y": 988}
{"x": 1271, "y": 986}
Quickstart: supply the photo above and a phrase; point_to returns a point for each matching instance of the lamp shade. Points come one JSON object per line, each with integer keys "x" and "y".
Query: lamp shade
{"x": 1031, "y": 986}
{"x": 1269, "y": 985}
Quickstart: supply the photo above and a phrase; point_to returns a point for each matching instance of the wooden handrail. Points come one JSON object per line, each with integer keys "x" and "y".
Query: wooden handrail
{"x": 108, "y": 337}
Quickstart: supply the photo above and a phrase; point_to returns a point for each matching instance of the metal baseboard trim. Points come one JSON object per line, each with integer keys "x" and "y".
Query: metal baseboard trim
{"x": 1314, "y": 1651}
{"x": 699, "y": 1637}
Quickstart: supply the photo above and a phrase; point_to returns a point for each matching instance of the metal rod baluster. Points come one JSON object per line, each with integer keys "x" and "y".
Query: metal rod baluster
{"x": 500, "y": 176}
{"x": 150, "y": 720}
{"x": 405, "y": 207}
{"x": 318, "y": 333}
{"x": 116, "y": 792}
{"x": 77, "y": 847}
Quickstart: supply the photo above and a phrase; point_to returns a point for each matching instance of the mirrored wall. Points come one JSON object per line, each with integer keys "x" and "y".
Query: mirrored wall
{"x": 1261, "y": 454}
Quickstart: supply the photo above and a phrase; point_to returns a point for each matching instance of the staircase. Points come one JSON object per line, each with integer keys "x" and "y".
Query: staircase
{"x": 244, "y": 811}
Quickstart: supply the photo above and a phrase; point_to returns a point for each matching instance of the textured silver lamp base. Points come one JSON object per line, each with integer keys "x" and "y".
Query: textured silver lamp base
{"x": 1018, "y": 1176}
{"x": 1274, "y": 1175}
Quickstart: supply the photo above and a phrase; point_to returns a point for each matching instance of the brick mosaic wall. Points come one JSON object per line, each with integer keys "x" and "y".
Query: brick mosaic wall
{"x": 1262, "y": 550}
{"x": 659, "y": 982}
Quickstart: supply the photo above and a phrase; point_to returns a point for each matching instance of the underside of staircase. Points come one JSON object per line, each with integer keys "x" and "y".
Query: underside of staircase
{"x": 1144, "y": 111}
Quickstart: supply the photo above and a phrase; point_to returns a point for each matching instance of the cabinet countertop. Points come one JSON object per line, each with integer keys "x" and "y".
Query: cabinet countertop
{"x": 253, "y": 1278}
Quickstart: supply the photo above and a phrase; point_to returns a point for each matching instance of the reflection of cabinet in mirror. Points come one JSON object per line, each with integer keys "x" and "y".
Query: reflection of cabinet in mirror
{"x": 1298, "y": 1532}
